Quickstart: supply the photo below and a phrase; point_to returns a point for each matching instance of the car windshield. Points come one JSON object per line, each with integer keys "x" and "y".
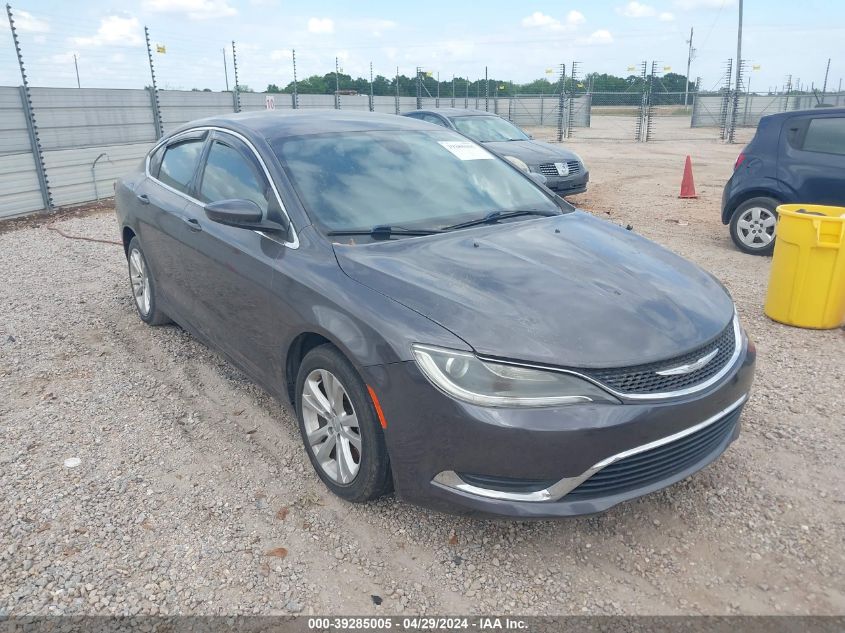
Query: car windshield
{"x": 488, "y": 129}
{"x": 400, "y": 178}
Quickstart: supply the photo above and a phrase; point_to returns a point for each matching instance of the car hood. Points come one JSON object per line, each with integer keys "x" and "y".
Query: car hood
{"x": 531, "y": 152}
{"x": 570, "y": 290}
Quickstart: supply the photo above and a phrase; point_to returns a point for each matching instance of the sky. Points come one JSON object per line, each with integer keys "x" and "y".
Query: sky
{"x": 517, "y": 41}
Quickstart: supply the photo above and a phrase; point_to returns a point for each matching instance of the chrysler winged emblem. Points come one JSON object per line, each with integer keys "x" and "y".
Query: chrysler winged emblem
{"x": 689, "y": 367}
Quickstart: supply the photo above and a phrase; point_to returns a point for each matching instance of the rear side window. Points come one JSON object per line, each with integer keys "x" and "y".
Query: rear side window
{"x": 825, "y": 135}
{"x": 155, "y": 161}
{"x": 179, "y": 164}
{"x": 230, "y": 175}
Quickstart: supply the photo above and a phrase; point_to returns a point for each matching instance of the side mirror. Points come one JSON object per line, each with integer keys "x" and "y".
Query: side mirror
{"x": 244, "y": 214}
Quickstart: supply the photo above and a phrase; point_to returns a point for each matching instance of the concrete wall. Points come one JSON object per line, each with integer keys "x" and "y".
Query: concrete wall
{"x": 19, "y": 189}
{"x": 90, "y": 137}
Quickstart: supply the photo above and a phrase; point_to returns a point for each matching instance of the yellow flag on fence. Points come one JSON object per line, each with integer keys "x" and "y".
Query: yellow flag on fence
{"x": 428, "y": 73}
{"x": 161, "y": 48}
{"x": 550, "y": 71}
{"x": 630, "y": 68}
{"x": 755, "y": 67}
{"x": 667, "y": 69}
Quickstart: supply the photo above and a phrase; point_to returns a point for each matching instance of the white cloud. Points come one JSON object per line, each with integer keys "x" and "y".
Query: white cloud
{"x": 547, "y": 22}
{"x": 636, "y": 9}
{"x": 320, "y": 25}
{"x": 26, "y": 22}
{"x": 692, "y": 5}
{"x": 574, "y": 18}
{"x": 194, "y": 9}
{"x": 602, "y": 36}
{"x": 666, "y": 16}
{"x": 114, "y": 31}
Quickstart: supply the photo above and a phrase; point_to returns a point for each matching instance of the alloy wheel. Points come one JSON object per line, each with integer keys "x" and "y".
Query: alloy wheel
{"x": 140, "y": 281}
{"x": 331, "y": 426}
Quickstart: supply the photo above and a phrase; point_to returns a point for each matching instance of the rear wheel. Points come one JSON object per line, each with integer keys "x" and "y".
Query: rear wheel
{"x": 143, "y": 286}
{"x": 753, "y": 226}
{"x": 339, "y": 427}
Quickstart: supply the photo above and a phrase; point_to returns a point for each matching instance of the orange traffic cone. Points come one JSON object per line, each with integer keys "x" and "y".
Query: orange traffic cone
{"x": 687, "y": 184}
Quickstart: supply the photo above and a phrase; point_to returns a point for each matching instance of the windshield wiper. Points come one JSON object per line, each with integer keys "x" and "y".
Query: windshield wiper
{"x": 495, "y": 216}
{"x": 385, "y": 231}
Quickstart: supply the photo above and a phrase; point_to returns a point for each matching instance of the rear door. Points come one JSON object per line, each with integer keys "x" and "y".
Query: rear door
{"x": 812, "y": 158}
{"x": 166, "y": 193}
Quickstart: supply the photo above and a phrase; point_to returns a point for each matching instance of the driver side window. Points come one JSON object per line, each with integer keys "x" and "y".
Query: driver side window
{"x": 228, "y": 175}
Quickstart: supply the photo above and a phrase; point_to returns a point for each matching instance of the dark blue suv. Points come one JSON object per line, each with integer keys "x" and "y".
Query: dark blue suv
{"x": 795, "y": 157}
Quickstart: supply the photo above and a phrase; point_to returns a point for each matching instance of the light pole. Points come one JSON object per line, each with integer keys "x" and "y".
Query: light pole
{"x": 690, "y": 55}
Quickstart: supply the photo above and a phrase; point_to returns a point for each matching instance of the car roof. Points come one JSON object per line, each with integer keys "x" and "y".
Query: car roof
{"x": 275, "y": 124}
{"x": 779, "y": 116}
{"x": 450, "y": 112}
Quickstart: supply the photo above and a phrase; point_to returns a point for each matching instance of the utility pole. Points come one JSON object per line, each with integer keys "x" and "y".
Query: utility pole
{"x": 690, "y": 55}
{"x": 225, "y": 69}
{"x": 76, "y": 67}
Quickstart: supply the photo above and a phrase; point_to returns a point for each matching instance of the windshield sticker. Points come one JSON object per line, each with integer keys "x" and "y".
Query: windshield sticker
{"x": 466, "y": 150}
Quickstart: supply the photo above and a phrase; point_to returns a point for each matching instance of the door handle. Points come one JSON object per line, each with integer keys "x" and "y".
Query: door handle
{"x": 193, "y": 224}
{"x": 143, "y": 198}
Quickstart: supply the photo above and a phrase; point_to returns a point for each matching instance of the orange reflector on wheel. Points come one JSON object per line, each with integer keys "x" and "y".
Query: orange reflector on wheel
{"x": 379, "y": 412}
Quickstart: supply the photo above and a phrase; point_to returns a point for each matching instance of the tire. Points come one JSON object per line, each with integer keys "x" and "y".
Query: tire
{"x": 142, "y": 285}
{"x": 753, "y": 225}
{"x": 332, "y": 449}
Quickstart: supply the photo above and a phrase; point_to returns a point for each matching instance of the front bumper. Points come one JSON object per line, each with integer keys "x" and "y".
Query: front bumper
{"x": 431, "y": 436}
{"x": 568, "y": 185}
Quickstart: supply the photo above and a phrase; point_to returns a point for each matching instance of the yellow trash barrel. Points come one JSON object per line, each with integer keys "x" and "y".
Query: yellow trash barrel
{"x": 807, "y": 281}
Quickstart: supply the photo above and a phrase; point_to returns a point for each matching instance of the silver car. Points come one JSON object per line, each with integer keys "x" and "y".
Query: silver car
{"x": 563, "y": 170}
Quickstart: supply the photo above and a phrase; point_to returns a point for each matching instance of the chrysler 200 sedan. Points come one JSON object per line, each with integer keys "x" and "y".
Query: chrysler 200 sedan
{"x": 442, "y": 325}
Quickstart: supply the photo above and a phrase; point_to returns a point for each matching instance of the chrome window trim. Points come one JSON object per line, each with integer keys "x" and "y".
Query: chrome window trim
{"x": 738, "y": 346}
{"x": 449, "y": 479}
{"x": 293, "y": 243}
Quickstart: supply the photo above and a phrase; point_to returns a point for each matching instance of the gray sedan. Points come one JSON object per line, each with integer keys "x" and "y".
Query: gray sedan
{"x": 564, "y": 171}
{"x": 441, "y": 324}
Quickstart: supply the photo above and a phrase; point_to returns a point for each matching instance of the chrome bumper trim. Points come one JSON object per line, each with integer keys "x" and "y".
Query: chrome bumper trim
{"x": 450, "y": 480}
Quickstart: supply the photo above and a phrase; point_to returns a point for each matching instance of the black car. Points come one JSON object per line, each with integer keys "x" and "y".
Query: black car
{"x": 480, "y": 345}
{"x": 794, "y": 157}
{"x": 562, "y": 170}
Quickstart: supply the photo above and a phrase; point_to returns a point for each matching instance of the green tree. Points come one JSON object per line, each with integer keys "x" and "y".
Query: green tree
{"x": 273, "y": 88}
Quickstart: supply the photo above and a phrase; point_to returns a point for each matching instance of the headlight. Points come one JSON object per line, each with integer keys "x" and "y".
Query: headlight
{"x": 464, "y": 376}
{"x": 519, "y": 164}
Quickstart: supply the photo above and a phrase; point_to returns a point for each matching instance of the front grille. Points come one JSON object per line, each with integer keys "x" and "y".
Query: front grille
{"x": 549, "y": 169}
{"x": 648, "y": 467}
{"x": 644, "y": 379}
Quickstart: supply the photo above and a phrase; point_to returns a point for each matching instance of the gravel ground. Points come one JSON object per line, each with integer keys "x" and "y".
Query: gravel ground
{"x": 193, "y": 493}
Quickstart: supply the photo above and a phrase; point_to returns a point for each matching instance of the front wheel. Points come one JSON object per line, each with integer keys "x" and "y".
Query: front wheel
{"x": 753, "y": 226}
{"x": 339, "y": 427}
